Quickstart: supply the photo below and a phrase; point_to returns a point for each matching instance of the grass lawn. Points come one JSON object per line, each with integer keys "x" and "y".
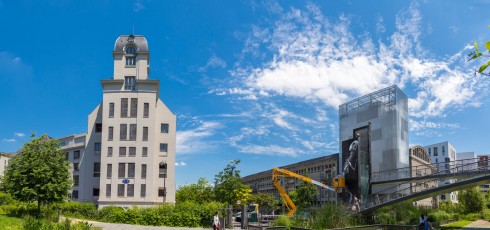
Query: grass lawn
{"x": 10, "y": 223}
{"x": 457, "y": 224}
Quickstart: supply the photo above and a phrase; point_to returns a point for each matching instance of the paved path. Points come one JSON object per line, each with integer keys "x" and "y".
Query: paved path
{"x": 479, "y": 224}
{"x": 112, "y": 226}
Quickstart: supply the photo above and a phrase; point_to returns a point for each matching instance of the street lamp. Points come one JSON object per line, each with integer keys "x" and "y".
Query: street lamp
{"x": 163, "y": 173}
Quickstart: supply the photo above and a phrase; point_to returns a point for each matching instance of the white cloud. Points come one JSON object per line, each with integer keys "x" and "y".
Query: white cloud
{"x": 197, "y": 140}
{"x": 213, "y": 62}
{"x": 138, "y": 6}
{"x": 9, "y": 140}
{"x": 180, "y": 163}
{"x": 454, "y": 29}
{"x": 272, "y": 150}
{"x": 20, "y": 134}
{"x": 380, "y": 26}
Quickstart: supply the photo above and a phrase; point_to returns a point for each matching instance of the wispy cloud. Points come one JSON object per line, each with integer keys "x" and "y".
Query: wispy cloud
{"x": 454, "y": 29}
{"x": 180, "y": 164}
{"x": 138, "y": 6}
{"x": 197, "y": 139}
{"x": 20, "y": 134}
{"x": 213, "y": 62}
{"x": 9, "y": 140}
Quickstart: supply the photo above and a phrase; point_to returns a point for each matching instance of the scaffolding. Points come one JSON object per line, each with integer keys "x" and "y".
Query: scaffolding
{"x": 384, "y": 99}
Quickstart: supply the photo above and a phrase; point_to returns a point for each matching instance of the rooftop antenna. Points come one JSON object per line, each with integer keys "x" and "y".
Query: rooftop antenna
{"x": 133, "y": 29}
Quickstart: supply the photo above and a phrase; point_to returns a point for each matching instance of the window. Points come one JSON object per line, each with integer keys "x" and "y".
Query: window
{"x": 130, "y": 61}
{"x": 134, "y": 107}
{"x": 164, "y": 128}
{"x": 429, "y": 151}
{"x": 95, "y": 191}
{"x": 123, "y": 132}
{"x": 74, "y": 195}
{"x": 146, "y": 110}
{"x": 162, "y": 192}
{"x": 130, "y": 50}
{"x": 143, "y": 190}
{"x": 120, "y": 190}
{"x": 144, "y": 152}
{"x": 131, "y": 169}
{"x": 108, "y": 191}
{"x": 111, "y": 133}
{"x": 98, "y": 127}
{"x": 109, "y": 151}
{"x": 97, "y": 146}
{"x": 75, "y": 167}
{"x": 443, "y": 150}
{"x": 129, "y": 83}
{"x": 111, "y": 109}
{"x": 62, "y": 143}
{"x": 75, "y": 180}
{"x": 67, "y": 156}
{"x": 145, "y": 133}
{"x": 122, "y": 151}
{"x": 143, "y": 171}
{"x": 124, "y": 107}
{"x": 122, "y": 170}
{"x": 132, "y": 132}
{"x": 435, "y": 151}
{"x": 130, "y": 192}
{"x": 109, "y": 171}
{"x": 162, "y": 172}
{"x": 97, "y": 169}
{"x": 132, "y": 151}
{"x": 76, "y": 154}
{"x": 163, "y": 148}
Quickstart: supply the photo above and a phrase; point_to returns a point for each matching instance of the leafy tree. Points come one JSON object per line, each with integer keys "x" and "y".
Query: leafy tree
{"x": 305, "y": 195}
{"x": 228, "y": 187}
{"x": 264, "y": 200}
{"x": 477, "y": 54}
{"x": 201, "y": 193}
{"x": 471, "y": 200}
{"x": 38, "y": 173}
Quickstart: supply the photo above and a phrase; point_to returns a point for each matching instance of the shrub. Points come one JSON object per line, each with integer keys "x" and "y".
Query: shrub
{"x": 439, "y": 215}
{"x": 79, "y": 209}
{"x": 282, "y": 221}
{"x": 331, "y": 215}
{"x": 6, "y": 199}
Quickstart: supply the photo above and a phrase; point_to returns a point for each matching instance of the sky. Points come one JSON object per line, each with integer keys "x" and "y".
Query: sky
{"x": 258, "y": 81}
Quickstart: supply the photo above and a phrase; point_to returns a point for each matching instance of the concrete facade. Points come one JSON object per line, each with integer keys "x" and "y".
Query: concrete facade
{"x": 4, "y": 162}
{"x": 128, "y": 154}
{"x": 420, "y": 159}
{"x": 440, "y": 153}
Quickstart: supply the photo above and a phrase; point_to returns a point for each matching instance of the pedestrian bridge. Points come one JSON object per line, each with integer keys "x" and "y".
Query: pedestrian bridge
{"x": 406, "y": 185}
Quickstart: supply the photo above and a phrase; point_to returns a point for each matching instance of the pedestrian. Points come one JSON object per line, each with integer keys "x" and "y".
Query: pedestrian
{"x": 422, "y": 222}
{"x": 216, "y": 224}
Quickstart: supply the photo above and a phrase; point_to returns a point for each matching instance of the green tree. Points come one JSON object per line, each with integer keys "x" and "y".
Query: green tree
{"x": 201, "y": 193}
{"x": 471, "y": 200}
{"x": 38, "y": 173}
{"x": 265, "y": 201}
{"x": 305, "y": 194}
{"x": 228, "y": 186}
{"x": 478, "y": 55}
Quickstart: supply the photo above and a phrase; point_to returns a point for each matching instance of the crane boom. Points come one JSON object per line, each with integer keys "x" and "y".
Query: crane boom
{"x": 277, "y": 173}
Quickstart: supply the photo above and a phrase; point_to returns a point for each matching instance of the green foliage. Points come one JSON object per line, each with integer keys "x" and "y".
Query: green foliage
{"x": 282, "y": 221}
{"x": 448, "y": 207}
{"x": 6, "y": 199}
{"x": 471, "y": 200}
{"x": 331, "y": 215}
{"x": 439, "y": 216}
{"x": 265, "y": 201}
{"x": 38, "y": 173}
{"x": 202, "y": 192}
{"x": 10, "y": 223}
{"x": 36, "y": 224}
{"x": 456, "y": 225}
{"x": 477, "y": 54}
{"x": 79, "y": 209}
{"x": 305, "y": 194}
{"x": 228, "y": 187}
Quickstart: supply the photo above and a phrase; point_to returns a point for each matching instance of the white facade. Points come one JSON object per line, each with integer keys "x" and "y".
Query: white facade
{"x": 129, "y": 153}
{"x": 467, "y": 160}
{"x": 4, "y": 162}
{"x": 441, "y": 153}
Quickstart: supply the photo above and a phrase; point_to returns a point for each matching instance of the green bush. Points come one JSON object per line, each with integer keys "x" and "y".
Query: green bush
{"x": 470, "y": 216}
{"x": 385, "y": 218}
{"x": 79, "y": 209}
{"x": 31, "y": 223}
{"x": 6, "y": 199}
{"x": 439, "y": 215}
{"x": 331, "y": 215}
{"x": 282, "y": 221}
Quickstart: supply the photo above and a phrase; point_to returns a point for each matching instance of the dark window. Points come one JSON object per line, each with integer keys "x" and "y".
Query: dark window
{"x": 162, "y": 172}
{"x": 130, "y": 50}
{"x": 162, "y": 192}
{"x": 111, "y": 109}
{"x": 122, "y": 170}
{"x": 75, "y": 167}
{"x": 108, "y": 191}
{"x": 124, "y": 107}
{"x": 75, "y": 180}
{"x": 123, "y": 132}
{"x": 132, "y": 132}
{"x": 143, "y": 171}
{"x": 145, "y": 133}
{"x": 435, "y": 151}
{"x": 120, "y": 190}
{"x": 109, "y": 151}
{"x": 122, "y": 151}
{"x": 143, "y": 190}
{"x": 443, "y": 150}
{"x": 130, "y": 61}
{"x": 109, "y": 171}
{"x": 97, "y": 169}
{"x": 95, "y": 192}
{"x": 144, "y": 152}
{"x": 67, "y": 156}
{"x": 163, "y": 148}
{"x": 98, "y": 127}
{"x": 111, "y": 133}
{"x": 164, "y": 128}
{"x": 74, "y": 195}
{"x": 132, "y": 151}
{"x": 131, "y": 169}
{"x": 97, "y": 146}
{"x": 129, "y": 83}
{"x": 134, "y": 107}
{"x": 146, "y": 110}
{"x": 130, "y": 192}
{"x": 76, "y": 154}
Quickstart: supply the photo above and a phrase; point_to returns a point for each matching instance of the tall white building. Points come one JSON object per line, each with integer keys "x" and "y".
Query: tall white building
{"x": 4, "y": 162}
{"x": 444, "y": 154}
{"x": 128, "y": 154}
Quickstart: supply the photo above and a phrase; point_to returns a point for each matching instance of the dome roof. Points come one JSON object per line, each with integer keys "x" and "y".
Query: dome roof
{"x": 138, "y": 40}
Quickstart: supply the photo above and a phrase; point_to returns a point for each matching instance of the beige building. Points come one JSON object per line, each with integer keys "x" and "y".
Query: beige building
{"x": 128, "y": 154}
{"x": 4, "y": 162}
{"x": 421, "y": 160}
{"x": 322, "y": 169}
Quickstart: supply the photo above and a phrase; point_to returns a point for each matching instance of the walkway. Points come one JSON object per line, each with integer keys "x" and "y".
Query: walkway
{"x": 479, "y": 224}
{"x": 112, "y": 226}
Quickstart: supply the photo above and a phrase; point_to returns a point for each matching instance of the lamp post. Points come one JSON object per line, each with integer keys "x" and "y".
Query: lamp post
{"x": 163, "y": 168}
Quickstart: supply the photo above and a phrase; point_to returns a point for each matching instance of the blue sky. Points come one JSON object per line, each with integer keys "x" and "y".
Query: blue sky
{"x": 258, "y": 81}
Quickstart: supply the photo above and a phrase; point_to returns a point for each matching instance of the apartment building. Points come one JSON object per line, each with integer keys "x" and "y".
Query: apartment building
{"x": 127, "y": 156}
{"x": 4, "y": 162}
{"x": 445, "y": 155}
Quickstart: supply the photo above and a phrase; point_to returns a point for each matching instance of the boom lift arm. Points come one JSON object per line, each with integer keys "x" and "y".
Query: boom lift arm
{"x": 339, "y": 183}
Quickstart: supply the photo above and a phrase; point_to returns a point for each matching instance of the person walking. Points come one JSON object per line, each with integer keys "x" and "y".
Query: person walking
{"x": 216, "y": 224}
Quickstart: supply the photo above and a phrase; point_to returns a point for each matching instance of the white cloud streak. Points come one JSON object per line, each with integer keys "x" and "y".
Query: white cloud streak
{"x": 197, "y": 140}
{"x": 20, "y": 134}
{"x": 9, "y": 140}
{"x": 178, "y": 164}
